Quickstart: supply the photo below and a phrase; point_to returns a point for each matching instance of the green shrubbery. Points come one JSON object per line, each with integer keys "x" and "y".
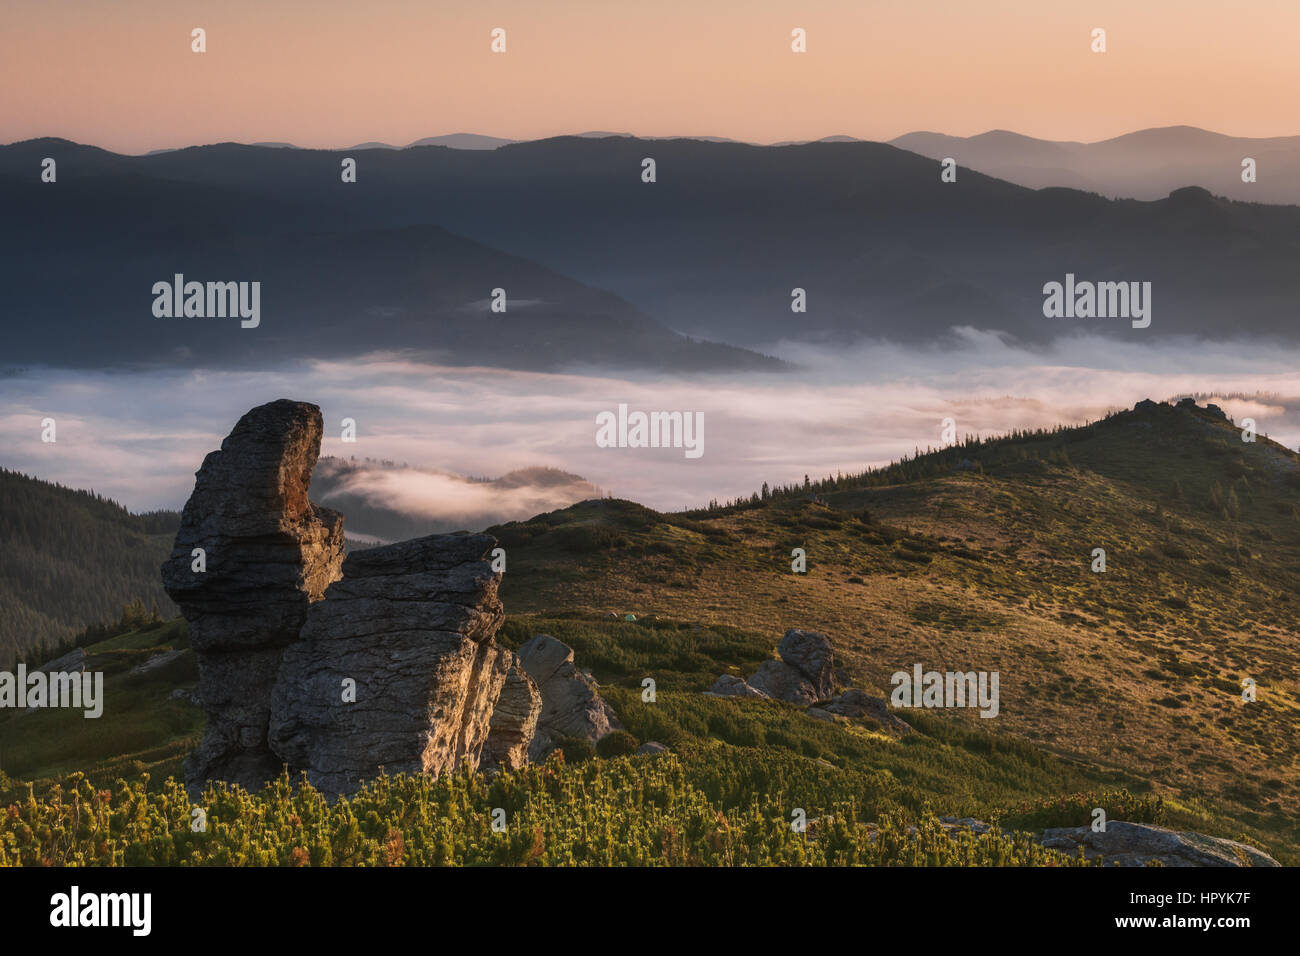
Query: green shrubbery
{"x": 1075, "y": 810}
{"x": 629, "y": 811}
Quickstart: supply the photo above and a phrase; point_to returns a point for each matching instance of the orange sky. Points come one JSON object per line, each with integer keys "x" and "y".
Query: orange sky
{"x": 328, "y": 73}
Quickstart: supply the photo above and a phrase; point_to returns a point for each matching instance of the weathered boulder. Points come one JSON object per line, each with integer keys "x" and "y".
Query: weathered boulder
{"x": 728, "y": 685}
{"x": 803, "y": 675}
{"x": 811, "y": 655}
{"x": 571, "y": 702}
{"x": 396, "y": 667}
{"x": 651, "y": 748}
{"x": 1138, "y": 844}
{"x": 514, "y": 719}
{"x": 268, "y": 552}
{"x": 779, "y": 680}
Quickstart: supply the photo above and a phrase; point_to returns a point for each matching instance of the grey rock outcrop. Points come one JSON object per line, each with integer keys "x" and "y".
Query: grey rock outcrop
{"x": 269, "y": 552}
{"x": 335, "y": 668}
{"x": 1138, "y": 844}
{"x": 803, "y": 675}
{"x": 571, "y": 702}
{"x": 396, "y": 667}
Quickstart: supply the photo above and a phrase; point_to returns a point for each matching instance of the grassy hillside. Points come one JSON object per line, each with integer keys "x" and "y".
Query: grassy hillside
{"x": 1119, "y": 689}
{"x": 1137, "y": 670}
{"x": 69, "y": 559}
{"x": 724, "y": 795}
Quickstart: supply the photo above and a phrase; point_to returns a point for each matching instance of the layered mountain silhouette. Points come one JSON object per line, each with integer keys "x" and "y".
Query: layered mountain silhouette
{"x": 1147, "y": 164}
{"x": 408, "y": 255}
{"x": 81, "y": 259}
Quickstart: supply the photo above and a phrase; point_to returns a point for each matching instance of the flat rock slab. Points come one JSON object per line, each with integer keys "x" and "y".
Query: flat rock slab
{"x": 571, "y": 701}
{"x": 1138, "y": 844}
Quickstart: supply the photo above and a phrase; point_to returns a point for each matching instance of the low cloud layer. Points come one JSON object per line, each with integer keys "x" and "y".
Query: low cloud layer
{"x": 385, "y": 501}
{"x": 139, "y": 437}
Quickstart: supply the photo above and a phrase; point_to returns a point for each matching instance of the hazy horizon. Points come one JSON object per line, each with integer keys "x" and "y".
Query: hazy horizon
{"x": 326, "y": 75}
{"x": 380, "y": 142}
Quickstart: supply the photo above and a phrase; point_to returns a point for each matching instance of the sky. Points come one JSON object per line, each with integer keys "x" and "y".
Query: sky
{"x": 326, "y": 73}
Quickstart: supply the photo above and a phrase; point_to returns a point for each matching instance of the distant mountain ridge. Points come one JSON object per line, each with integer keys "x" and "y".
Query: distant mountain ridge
{"x": 1147, "y": 164}
{"x": 713, "y": 249}
{"x": 331, "y": 283}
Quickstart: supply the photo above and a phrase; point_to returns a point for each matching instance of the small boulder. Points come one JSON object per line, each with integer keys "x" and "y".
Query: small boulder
{"x": 779, "y": 680}
{"x": 728, "y": 685}
{"x": 651, "y": 748}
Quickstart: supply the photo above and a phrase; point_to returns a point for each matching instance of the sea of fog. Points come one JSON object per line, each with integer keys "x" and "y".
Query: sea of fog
{"x": 139, "y": 436}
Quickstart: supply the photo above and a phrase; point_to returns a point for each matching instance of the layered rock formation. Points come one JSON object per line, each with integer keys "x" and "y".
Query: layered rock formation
{"x": 396, "y": 667}
{"x": 267, "y": 554}
{"x": 514, "y": 720}
{"x": 335, "y": 668}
